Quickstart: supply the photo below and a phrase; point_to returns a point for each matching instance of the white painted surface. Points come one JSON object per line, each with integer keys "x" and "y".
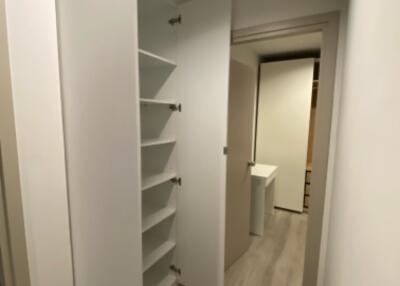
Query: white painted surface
{"x": 6, "y": 270}
{"x": 12, "y": 236}
{"x": 37, "y": 104}
{"x": 283, "y": 124}
{"x": 203, "y": 68}
{"x": 242, "y": 93}
{"x": 153, "y": 215}
{"x": 157, "y": 142}
{"x": 99, "y": 53}
{"x": 168, "y": 281}
{"x": 297, "y": 43}
{"x": 262, "y": 196}
{"x": 157, "y": 101}
{"x": 158, "y": 91}
{"x": 246, "y": 55}
{"x": 158, "y": 179}
{"x": 363, "y": 246}
{"x": 155, "y": 34}
{"x": 255, "y": 12}
{"x": 154, "y": 250}
{"x": 150, "y": 60}
{"x": 267, "y": 172}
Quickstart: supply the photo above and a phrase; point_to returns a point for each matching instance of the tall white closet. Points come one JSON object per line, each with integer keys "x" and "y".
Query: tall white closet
{"x": 145, "y": 99}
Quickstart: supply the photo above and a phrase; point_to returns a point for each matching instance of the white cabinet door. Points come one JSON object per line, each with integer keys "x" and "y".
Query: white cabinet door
{"x": 283, "y": 126}
{"x": 203, "y": 67}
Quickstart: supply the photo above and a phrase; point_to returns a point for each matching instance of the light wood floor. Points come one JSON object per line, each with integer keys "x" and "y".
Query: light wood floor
{"x": 277, "y": 259}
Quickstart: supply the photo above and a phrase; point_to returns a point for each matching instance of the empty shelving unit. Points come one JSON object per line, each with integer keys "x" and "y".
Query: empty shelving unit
{"x": 159, "y": 106}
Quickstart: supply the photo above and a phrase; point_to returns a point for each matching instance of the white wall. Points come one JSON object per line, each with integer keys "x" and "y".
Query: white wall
{"x": 364, "y": 238}
{"x": 255, "y": 12}
{"x": 36, "y": 93}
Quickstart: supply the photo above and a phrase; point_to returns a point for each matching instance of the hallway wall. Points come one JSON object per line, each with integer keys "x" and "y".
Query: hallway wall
{"x": 364, "y": 234}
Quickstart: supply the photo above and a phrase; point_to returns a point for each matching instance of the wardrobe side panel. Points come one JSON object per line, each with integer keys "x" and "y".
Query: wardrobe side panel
{"x": 99, "y": 67}
{"x": 203, "y": 67}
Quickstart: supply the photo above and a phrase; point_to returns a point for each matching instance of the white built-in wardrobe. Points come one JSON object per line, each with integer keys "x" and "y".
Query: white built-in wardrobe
{"x": 145, "y": 98}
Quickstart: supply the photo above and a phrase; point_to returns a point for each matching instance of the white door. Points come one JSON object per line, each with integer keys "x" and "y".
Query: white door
{"x": 203, "y": 70}
{"x": 238, "y": 189}
{"x": 283, "y": 126}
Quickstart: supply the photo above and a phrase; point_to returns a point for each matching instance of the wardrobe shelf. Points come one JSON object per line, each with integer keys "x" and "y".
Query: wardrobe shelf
{"x": 157, "y": 142}
{"x": 157, "y": 101}
{"x": 150, "y": 60}
{"x": 158, "y": 179}
{"x": 176, "y": 3}
{"x": 169, "y": 280}
{"x": 153, "y": 215}
{"x": 154, "y": 250}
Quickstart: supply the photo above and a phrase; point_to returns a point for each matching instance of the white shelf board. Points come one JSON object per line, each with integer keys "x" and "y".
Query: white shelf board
{"x": 157, "y": 101}
{"x": 153, "y": 215}
{"x": 154, "y": 250}
{"x": 158, "y": 179}
{"x": 150, "y": 60}
{"x": 169, "y": 280}
{"x": 176, "y": 3}
{"x": 158, "y": 141}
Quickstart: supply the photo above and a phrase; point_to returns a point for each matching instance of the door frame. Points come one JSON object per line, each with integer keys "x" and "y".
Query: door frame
{"x": 325, "y": 139}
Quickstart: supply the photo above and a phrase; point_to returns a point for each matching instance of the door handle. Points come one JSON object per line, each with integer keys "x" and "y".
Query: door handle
{"x": 251, "y": 163}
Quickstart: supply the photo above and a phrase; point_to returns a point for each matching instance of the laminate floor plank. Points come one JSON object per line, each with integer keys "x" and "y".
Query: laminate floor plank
{"x": 277, "y": 258}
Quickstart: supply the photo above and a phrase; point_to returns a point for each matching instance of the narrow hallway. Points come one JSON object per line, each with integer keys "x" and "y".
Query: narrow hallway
{"x": 276, "y": 259}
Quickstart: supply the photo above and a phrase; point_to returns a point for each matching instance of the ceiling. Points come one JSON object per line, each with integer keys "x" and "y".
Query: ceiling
{"x": 298, "y": 43}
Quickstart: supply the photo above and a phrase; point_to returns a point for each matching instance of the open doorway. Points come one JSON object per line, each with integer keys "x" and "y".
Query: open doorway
{"x": 278, "y": 143}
